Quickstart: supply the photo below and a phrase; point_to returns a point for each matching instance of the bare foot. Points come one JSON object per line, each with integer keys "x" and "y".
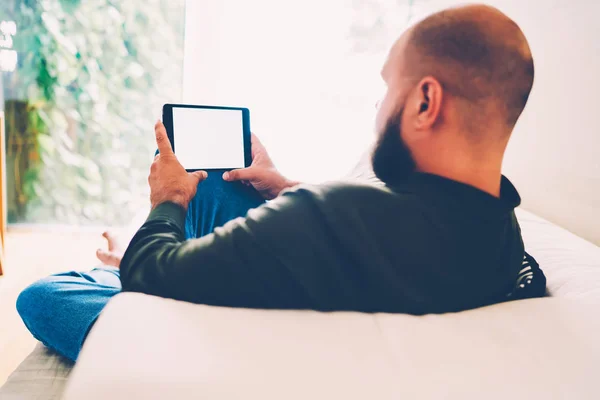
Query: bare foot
{"x": 115, "y": 251}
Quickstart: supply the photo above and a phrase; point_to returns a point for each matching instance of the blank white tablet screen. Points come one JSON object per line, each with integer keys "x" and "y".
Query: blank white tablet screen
{"x": 208, "y": 138}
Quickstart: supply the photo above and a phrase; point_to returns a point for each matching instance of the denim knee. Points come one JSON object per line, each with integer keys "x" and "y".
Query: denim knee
{"x": 59, "y": 310}
{"x": 30, "y": 303}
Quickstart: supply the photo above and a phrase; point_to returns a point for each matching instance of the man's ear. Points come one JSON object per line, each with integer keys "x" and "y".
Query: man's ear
{"x": 429, "y": 102}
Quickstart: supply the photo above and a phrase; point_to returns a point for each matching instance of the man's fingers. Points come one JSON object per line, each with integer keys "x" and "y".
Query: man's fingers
{"x": 255, "y": 145}
{"x": 238, "y": 174}
{"x": 198, "y": 176}
{"x": 162, "y": 140}
{"x": 254, "y": 139}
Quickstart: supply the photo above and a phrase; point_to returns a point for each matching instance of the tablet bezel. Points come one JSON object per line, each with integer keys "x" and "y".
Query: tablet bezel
{"x": 168, "y": 122}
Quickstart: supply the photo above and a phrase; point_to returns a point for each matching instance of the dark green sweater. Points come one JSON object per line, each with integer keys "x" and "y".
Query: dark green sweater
{"x": 430, "y": 245}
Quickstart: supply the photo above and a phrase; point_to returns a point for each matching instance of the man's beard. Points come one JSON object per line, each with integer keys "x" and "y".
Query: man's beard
{"x": 391, "y": 160}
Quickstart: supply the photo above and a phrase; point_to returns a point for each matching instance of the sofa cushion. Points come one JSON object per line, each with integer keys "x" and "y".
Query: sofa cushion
{"x": 571, "y": 264}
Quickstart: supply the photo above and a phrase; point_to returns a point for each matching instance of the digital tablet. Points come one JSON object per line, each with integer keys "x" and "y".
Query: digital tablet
{"x": 209, "y": 137}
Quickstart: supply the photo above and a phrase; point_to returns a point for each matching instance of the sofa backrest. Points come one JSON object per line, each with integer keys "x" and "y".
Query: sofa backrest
{"x": 152, "y": 348}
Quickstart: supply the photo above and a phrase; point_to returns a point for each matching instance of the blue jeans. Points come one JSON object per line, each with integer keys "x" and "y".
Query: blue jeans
{"x": 60, "y": 310}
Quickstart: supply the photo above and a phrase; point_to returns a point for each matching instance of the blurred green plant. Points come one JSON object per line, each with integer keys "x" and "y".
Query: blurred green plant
{"x": 94, "y": 75}
{"x": 23, "y": 127}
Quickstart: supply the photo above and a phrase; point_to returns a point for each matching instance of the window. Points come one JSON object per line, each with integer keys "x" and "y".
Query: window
{"x": 82, "y": 84}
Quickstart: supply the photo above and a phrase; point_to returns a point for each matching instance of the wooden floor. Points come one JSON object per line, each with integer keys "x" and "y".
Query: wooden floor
{"x": 31, "y": 255}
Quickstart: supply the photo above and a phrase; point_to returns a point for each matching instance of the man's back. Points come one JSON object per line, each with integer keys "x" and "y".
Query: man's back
{"x": 427, "y": 245}
{"x": 432, "y": 244}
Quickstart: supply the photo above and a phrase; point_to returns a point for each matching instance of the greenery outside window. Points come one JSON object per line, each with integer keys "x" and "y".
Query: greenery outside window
{"x": 80, "y": 102}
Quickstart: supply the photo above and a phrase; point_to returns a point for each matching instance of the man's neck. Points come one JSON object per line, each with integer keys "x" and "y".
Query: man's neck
{"x": 457, "y": 159}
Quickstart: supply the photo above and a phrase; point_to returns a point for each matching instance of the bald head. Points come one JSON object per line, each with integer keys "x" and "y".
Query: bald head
{"x": 456, "y": 83}
{"x": 479, "y": 55}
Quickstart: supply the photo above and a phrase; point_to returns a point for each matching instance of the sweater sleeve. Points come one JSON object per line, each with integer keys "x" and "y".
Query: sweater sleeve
{"x": 279, "y": 256}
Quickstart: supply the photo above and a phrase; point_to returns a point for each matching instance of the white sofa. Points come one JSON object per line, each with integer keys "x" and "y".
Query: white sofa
{"x": 151, "y": 348}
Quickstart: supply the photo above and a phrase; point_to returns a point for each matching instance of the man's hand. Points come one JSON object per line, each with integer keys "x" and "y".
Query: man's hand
{"x": 169, "y": 181}
{"x": 115, "y": 251}
{"x": 261, "y": 174}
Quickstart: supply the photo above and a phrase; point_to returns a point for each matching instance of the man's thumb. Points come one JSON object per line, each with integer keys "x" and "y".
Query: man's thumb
{"x": 244, "y": 174}
{"x": 199, "y": 176}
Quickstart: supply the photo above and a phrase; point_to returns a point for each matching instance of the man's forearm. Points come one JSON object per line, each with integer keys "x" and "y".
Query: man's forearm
{"x": 143, "y": 264}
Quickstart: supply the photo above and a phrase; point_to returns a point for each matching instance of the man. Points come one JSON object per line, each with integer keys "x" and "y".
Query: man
{"x": 440, "y": 236}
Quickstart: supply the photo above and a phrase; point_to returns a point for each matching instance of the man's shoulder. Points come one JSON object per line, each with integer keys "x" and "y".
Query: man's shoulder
{"x": 348, "y": 193}
{"x": 338, "y": 188}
